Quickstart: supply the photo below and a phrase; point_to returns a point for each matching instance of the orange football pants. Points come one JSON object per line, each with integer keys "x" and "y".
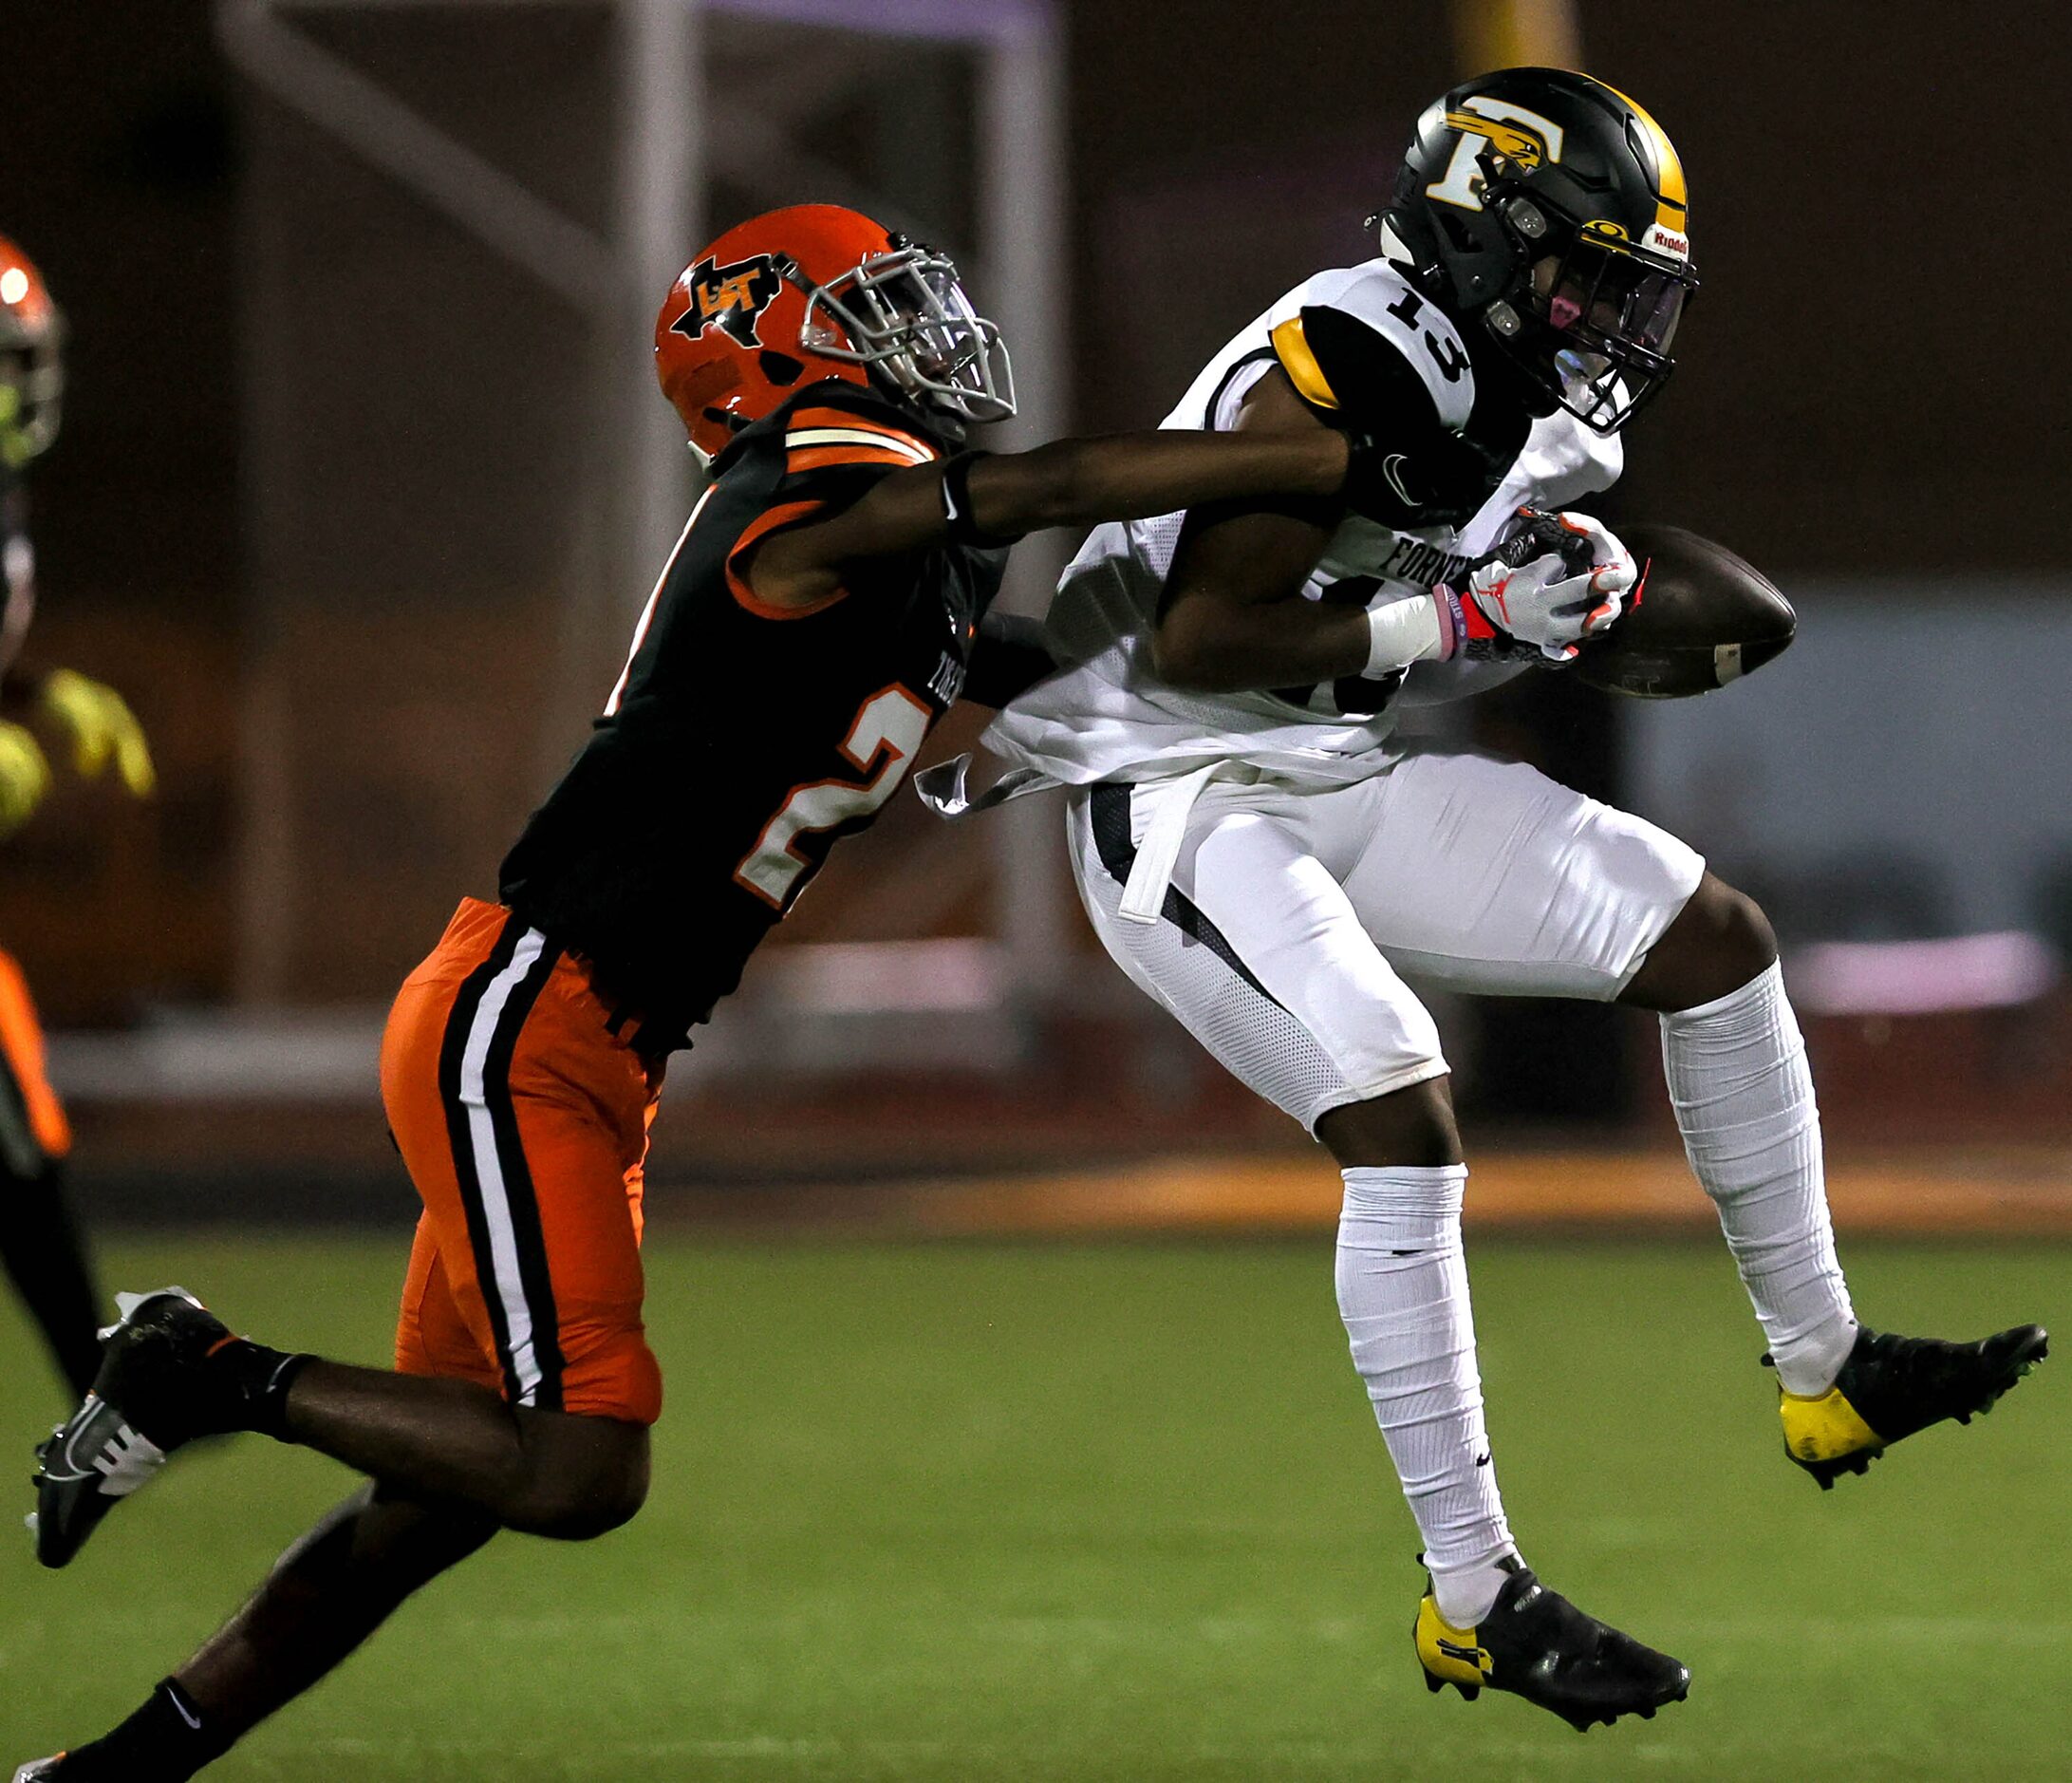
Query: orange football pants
{"x": 524, "y": 1121}
{"x": 34, "y": 1129}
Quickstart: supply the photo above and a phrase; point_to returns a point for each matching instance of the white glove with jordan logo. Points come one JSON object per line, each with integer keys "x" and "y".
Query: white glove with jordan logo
{"x": 1554, "y": 581}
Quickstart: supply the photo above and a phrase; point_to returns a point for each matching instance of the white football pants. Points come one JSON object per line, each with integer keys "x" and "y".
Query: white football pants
{"x": 1294, "y": 909}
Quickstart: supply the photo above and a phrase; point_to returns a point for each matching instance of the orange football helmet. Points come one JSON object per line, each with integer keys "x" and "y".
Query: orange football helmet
{"x": 815, "y": 291}
{"x": 31, "y": 365}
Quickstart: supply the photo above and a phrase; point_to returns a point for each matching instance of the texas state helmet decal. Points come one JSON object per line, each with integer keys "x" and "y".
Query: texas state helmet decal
{"x": 813, "y": 292}
{"x": 732, "y": 297}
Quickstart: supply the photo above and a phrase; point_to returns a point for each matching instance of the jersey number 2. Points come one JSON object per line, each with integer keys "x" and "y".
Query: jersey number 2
{"x": 889, "y": 729}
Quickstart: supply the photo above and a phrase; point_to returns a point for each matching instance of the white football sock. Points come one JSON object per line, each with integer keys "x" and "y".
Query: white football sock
{"x": 1403, "y": 1294}
{"x": 1737, "y": 1075}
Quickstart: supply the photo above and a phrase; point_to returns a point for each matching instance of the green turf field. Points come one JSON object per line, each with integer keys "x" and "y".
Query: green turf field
{"x": 1084, "y": 1512}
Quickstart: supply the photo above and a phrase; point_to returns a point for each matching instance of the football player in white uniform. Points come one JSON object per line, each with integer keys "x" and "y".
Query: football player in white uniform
{"x": 1260, "y": 858}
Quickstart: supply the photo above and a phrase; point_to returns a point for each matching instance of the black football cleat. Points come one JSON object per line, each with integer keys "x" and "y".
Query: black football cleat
{"x": 1891, "y": 1387}
{"x": 42, "y": 1771}
{"x": 1537, "y": 1645}
{"x": 141, "y": 1408}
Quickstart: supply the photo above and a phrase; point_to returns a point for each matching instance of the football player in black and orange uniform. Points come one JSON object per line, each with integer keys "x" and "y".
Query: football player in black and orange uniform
{"x": 825, "y": 604}
{"x": 38, "y": 1242}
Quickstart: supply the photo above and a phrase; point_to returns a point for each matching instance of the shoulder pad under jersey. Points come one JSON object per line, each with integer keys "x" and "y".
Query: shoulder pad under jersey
{"x": 1362, "y": 345}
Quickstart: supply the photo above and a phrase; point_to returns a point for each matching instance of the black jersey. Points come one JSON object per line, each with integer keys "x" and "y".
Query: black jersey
{"x": 742, "y": 739}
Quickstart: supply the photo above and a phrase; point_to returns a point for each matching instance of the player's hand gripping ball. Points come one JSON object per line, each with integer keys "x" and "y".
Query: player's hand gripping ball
{"x": 1556, "y": 579}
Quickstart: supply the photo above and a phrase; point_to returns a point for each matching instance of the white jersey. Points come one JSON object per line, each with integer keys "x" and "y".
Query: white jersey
{"x": 1108, "y": 717}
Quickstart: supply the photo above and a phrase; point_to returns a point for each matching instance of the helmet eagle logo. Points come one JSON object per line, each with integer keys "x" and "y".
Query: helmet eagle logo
{"x": 1515, "y": 142}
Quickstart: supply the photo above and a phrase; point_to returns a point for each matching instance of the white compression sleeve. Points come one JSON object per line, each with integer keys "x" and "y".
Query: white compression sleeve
{"x": 1743, "y": 1096}
{"x": 1403, "y": 1295}
{"x": 1402, "y": 632}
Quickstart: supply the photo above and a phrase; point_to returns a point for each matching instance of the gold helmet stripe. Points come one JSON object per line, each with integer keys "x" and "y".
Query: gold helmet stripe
{"x": 1671, "y": 200}
{"x": 1300, "y": 364}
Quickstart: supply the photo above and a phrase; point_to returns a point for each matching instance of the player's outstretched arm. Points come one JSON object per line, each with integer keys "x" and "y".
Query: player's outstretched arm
{"x": 1072, "y": 482}
{"x": 1233, "y": 615}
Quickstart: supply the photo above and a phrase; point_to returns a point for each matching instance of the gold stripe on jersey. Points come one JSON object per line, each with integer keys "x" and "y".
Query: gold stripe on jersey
{"x": 1300, "y": 364}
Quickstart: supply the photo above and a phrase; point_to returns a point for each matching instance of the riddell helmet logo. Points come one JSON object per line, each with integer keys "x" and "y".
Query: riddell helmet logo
{"x": 1667, "y": 241}
{"x": 732, "y": 297}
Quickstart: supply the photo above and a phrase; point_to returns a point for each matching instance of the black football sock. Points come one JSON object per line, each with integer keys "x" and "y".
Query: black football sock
{"x": 236, "y": 1385}
{"x": 183, "y": 1376}
{"x": 167, "y": 1740}
{"x": 41, "y": 1248}
{"x": 258, "y": 1380}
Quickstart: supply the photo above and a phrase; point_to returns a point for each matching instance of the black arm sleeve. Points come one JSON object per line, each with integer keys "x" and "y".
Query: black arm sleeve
{"x": 1009, "y": 656}
{"x": 1409, "y": 470}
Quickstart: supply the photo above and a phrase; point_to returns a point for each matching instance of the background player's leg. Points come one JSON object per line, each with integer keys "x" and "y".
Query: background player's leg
{"x": 1738, "y": 1078}
{"x": 326, "y": 1595}
{"x": 45, "y": 1259}
{"x": 39, "y": 1245}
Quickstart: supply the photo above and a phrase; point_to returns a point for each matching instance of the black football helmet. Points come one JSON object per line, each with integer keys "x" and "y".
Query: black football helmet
{"x": 1549, "y": 209}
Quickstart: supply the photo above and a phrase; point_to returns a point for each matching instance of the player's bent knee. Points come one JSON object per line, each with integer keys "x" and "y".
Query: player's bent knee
{"x": 1745, "y": 931}
{"x": 1735, "y": 941}
{"x": 580, "y": 1510}
{"x": 586, "y": 1516}
{"x": 1408, "y": 1128}
{"x": 587, "y": 1476}
{"x": 1718, "y": 941}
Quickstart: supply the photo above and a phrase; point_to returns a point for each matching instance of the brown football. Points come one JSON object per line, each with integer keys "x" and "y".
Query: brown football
{"x": 1700, "y": 618}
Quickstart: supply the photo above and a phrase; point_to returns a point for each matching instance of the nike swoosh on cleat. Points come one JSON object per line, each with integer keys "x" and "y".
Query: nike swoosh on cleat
{"x": 50, "y": 1472}
{"x": 56, "y": 1460}
{"x": 122, "y": 1459}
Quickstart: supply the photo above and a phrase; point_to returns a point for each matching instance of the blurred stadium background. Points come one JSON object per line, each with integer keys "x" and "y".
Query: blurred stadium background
{"x": 363, "y": 480}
